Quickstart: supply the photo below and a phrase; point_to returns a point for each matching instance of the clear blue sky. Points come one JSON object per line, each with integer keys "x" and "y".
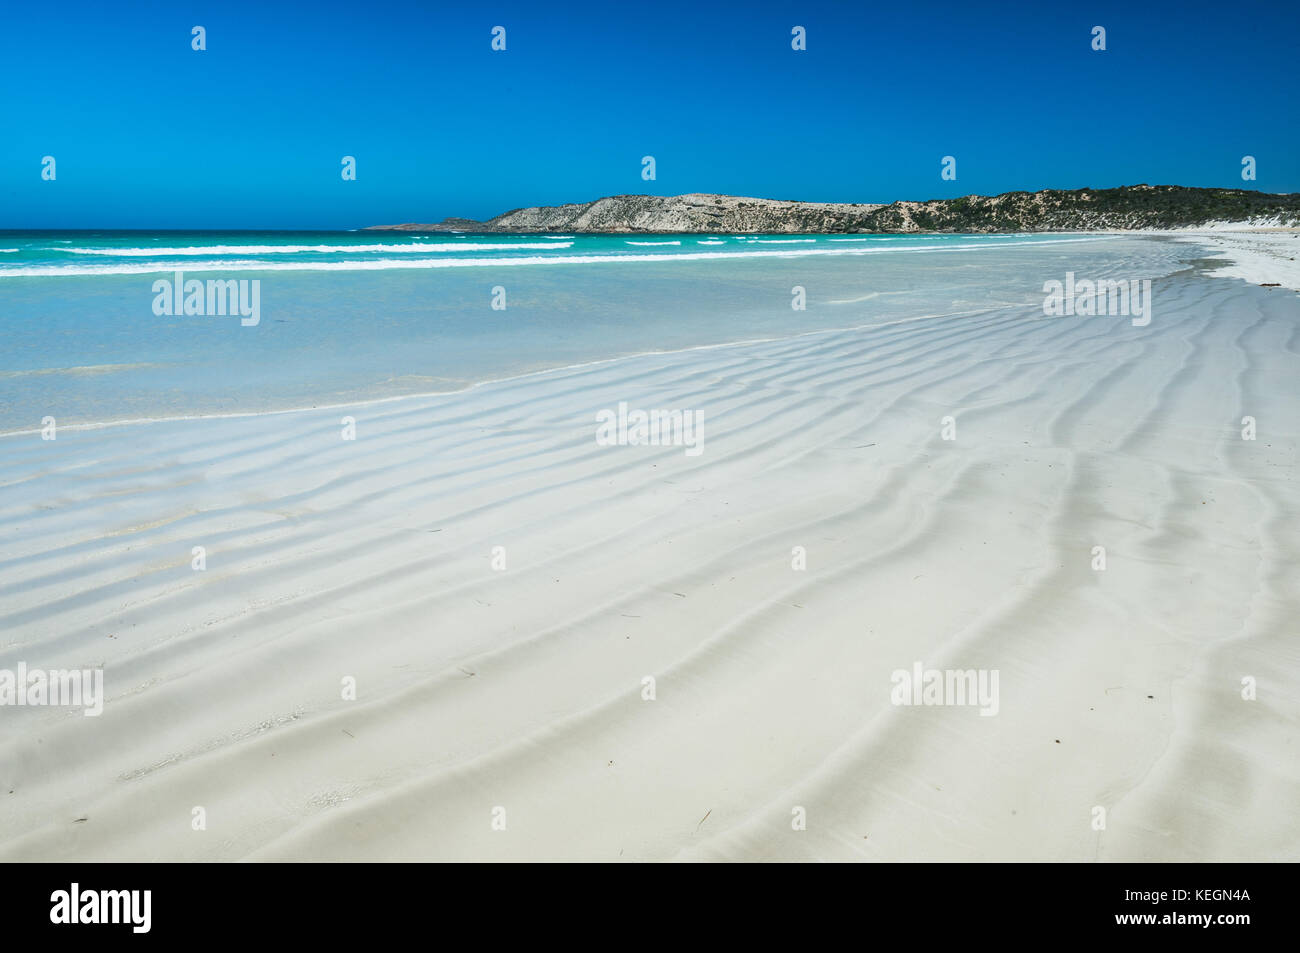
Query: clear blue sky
{"x": 147, "y": 133}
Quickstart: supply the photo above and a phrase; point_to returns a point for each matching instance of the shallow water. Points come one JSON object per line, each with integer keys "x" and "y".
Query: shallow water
{"x": 355, "y": 316}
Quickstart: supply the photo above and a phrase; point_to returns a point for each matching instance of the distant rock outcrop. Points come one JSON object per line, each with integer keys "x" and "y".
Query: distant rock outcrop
{"x": 1127, "y": 207}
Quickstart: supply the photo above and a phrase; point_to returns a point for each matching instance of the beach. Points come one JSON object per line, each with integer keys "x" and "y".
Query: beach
{"x": 451, "y": 624}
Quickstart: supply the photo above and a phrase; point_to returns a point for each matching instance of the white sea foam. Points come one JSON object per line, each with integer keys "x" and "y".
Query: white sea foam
{"x": 412, "y": 247}
{"x": 384, "y": 264}
{"x": 651, "y": 243}
{"x": 783, "y": 241}
{"x": 710, "y": 242}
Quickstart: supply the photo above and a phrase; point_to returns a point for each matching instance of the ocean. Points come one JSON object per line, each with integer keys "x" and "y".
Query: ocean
{"x": 95, "y": 329}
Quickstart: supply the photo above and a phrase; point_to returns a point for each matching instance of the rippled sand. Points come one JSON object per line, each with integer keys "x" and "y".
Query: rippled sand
{"x": 522, "y": 689}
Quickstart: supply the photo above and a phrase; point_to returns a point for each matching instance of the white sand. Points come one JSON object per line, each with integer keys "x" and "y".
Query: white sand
{"x": 1258, "y": 255}
{"x": 522, "y": 689}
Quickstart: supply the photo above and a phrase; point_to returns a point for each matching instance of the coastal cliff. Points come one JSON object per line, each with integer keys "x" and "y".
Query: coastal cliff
{"x": 1127, "y": 207}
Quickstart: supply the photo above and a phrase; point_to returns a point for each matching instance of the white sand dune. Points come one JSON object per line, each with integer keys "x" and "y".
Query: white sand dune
{"x": 522, "y": 688}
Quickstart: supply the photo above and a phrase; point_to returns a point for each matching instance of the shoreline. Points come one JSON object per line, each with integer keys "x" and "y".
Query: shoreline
{"x": 1253, "y": 263}
{"x": 428, "y": 264}
{"x": 510, "y": 378}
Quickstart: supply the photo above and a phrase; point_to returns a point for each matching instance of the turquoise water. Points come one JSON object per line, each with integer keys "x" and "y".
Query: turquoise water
{"x": 346, "y": 316}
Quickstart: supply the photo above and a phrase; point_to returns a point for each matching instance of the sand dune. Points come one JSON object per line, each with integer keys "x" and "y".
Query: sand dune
{"x": 522, "y": 688}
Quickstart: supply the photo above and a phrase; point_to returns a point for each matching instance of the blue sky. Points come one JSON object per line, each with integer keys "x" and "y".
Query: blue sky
{"x": 147, "y": 133}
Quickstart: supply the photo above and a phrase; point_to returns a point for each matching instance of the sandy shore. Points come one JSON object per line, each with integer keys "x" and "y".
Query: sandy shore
{"x": 521, "y": 688}
{"x": 1259, "y": 256}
